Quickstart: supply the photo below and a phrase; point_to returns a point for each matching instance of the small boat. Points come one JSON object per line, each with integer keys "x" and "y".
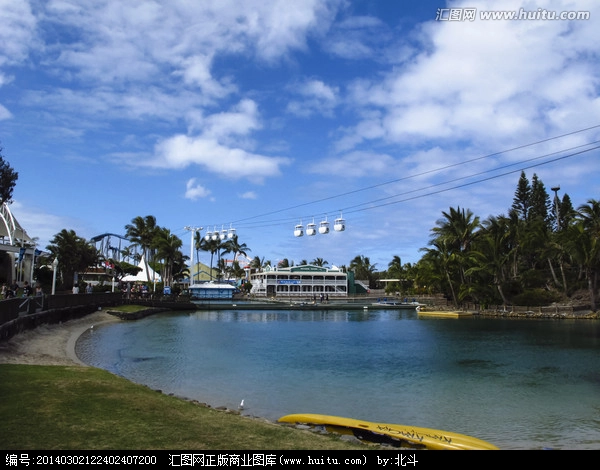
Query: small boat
{"x": 433, "y": 439}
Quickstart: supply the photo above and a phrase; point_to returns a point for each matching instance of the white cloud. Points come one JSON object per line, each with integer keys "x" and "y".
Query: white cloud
{"x": 4, "y": 113}
{"x": 356, "y": 164}
{"x": 17, "y": 34}
{"x": 195, "y": 191}
{"x": 218, "y": 148}
{"x": 181, "y": 151}
{"x": 249, "y": 195}
{"x": 318, "y": 98}
{"x": 486, "y": 81}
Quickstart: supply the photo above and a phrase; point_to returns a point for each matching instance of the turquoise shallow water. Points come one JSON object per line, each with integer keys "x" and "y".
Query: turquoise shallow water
{"x": 520, "y": 384}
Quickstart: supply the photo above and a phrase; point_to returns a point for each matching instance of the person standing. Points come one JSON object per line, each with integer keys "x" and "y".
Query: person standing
{"x": 27, "y": 290}
{"x": 75, "y": 289}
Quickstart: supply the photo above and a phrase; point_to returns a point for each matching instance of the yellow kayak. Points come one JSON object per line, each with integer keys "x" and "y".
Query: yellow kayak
{"x": 433, "y": 439}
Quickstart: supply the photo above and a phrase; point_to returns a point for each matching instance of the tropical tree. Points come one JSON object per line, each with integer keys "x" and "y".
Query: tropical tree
{"x": 211, "y": 246}
{"x": 589, "y": 215}
{"x": 74, "y": 255}
{"x": 584, "y": 248}
{"x": 236, "y": 248}
{"x": 257, "y": 264}
{"x": 456, "y": 231}
{"x": 319, "y": 262}
{"x": 141, "y": 232}
{"x": 8, "y": 180}
{"x": 168, "y": 250}
{"x": 363, "y": 269}
{"x": 443, "y": 259}
{"x": 395, "y": 271}
{"x": 491, "y": 256}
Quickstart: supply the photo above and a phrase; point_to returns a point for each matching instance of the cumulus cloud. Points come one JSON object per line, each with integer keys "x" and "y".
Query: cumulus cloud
{"x": 317, "y": 98}
{"x": 217, "y": 147}
{"x": 195, "y": 191}
{"x": 492, "y": 81}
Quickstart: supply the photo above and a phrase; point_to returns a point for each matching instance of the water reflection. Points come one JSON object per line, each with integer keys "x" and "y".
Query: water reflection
{"x": 522, "y": 384}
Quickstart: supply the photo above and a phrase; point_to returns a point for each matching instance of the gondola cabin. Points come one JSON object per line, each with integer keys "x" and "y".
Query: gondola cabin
{"x": 311, "y": 229}
{"x": 324, "y": 227}
{"x": 208, "y": 236}
{"x": 339, "y": 225}
{"x": 299, "y": 230}
{"x": 231, "y": 233}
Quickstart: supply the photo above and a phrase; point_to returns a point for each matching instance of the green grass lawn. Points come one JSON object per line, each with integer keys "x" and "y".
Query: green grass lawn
{"x": 72, "y": 407}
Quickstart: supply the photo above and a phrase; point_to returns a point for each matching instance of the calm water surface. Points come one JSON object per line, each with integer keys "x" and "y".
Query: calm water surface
{"x": 520, "y": 384}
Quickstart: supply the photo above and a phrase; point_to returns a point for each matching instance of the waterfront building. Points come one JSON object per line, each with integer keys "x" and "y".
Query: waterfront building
{"x": 299, "y": 282}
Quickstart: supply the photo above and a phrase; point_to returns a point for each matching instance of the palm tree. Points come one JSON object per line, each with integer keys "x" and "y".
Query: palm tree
{"x": 363, "y": 269}
{"x": 237, "y": 248}
{"x": 234, "y": 247}
{"x": 167, "y": 248}
{"x": 395, "y": 271}
{"x": 492, "y": 254}
{"x": 589, "y": 215}
{"x": 211, "y": 246}
{"x": 395, "y": 267}
{"x": 319, "y": 262}
{"x": 458, "y": 230}
{"x": 257, "y": 264}
{"x": 141, "y": 233}
{"x": 445, "y": 262}
{"x": 584, "y": 248}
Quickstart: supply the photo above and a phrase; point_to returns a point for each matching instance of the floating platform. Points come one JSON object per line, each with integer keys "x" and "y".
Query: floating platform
{"x": 298, "y": 305}
{"x": 444, "y": 313}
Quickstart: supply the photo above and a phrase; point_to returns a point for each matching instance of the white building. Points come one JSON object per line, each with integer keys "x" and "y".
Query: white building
{"x": 299, "y": 282}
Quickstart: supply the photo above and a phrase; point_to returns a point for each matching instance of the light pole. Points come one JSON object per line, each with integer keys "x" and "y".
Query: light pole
{"x": 54, "y": 267}
{"x": 556, "y": 189}
{"x": 193, "y": 231}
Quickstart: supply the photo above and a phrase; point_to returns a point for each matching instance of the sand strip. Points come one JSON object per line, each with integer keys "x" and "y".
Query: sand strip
{"x": 50, "y": 344}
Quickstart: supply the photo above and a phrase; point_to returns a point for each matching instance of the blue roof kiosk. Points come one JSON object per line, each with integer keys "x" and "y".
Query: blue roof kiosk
{"x": 210, "y": 290}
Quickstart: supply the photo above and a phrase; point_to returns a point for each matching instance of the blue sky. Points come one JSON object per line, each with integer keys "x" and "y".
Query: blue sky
{"x": 260, "y": 115}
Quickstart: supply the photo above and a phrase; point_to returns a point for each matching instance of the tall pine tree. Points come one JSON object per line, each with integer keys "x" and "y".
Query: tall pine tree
{"x": 522, "y": 200}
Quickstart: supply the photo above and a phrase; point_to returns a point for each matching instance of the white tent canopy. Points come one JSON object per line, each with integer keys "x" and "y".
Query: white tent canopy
{"x": 142, "y": 276}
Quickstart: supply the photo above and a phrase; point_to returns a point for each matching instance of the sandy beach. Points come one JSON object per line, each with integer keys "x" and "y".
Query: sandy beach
{"x": 50, "y": 344}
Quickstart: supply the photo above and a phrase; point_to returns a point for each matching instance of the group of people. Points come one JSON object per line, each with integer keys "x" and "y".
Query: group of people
{"x": 89, "y": 289}
{"x": 12, "y": 290}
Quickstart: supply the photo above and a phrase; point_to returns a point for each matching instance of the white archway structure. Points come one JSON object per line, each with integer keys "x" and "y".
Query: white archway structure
{"x": 20, "y": 246}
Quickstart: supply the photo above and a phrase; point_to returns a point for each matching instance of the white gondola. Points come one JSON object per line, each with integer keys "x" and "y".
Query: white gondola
{"x": 223, "y": 235}
{"x": 299, "y": 230}
{"x": 231, "y": 233}
{"x": 208, "y": 236}
{"x": 215, "y": 235}
{"x": 339, "y": 225}
{"x": 311, "y": 229}
{"x": 324, "y": 227}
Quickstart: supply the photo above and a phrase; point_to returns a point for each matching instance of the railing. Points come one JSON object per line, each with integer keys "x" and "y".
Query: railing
{"x": 10, "y": 309}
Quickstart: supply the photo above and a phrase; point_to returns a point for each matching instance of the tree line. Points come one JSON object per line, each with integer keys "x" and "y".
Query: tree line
{"x": 542, "y": 250}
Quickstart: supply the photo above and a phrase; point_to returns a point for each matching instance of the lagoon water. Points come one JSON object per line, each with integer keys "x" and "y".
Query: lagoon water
{"x": 517, "y": 383}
